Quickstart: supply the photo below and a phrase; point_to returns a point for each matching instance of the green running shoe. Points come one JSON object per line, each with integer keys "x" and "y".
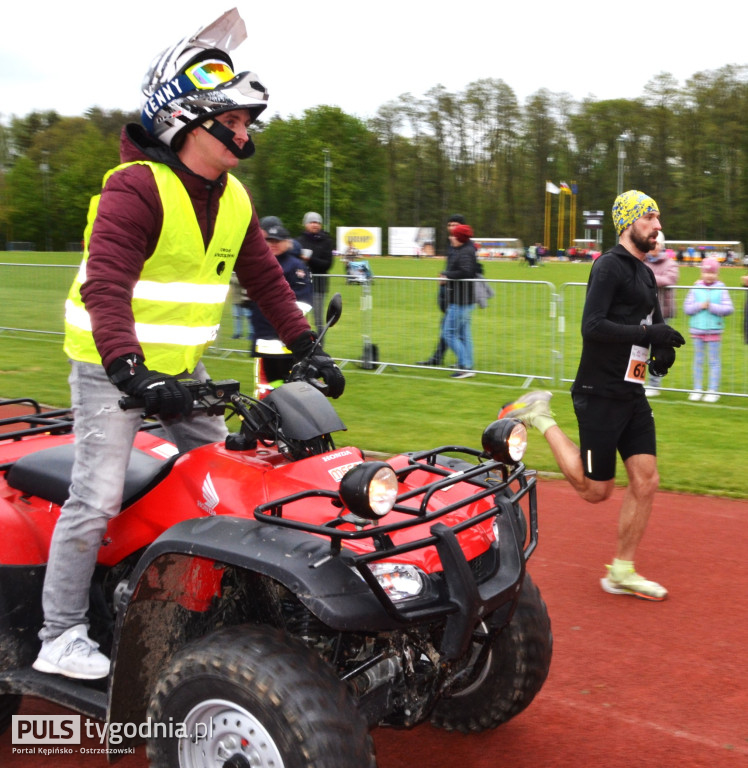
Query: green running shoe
{"x": 631, "y": 583}
{"x": 529, "y": 407}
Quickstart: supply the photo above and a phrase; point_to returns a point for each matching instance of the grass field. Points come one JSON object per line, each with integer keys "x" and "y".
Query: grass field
{"x": 701, "y": 447}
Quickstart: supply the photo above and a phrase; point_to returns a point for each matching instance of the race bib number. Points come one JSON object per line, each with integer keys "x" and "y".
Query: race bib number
{"x": 637, "y": 366}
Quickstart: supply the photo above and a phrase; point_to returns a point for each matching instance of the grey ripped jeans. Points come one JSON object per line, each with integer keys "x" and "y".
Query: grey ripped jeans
{"x": 104, "y": 435}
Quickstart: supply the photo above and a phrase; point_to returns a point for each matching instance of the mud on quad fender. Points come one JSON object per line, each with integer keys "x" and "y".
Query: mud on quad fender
{"x": 261, "y": 698}
{"x": 513, "y": 673}
{"x": 151, "y": 623}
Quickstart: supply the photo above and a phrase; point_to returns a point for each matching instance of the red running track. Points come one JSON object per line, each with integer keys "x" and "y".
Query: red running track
{"x": 632, "y": 684}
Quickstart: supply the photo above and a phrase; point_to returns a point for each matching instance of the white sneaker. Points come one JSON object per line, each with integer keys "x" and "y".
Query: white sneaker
{"x": 694, "y": 396}
{"x": 72, "y": 654}
{"x": 652, "y": 392}
{"x": 631, "y": 583}
{"x": 710, "y": 397}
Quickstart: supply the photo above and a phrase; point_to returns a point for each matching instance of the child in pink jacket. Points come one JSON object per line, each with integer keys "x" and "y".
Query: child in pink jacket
{"x": 707, "y": 304}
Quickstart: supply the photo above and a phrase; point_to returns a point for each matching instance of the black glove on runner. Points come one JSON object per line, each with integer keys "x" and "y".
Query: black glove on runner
{"x": 662, "y": 335}
{"x": 661, "y": 360}
{"x": 162, "y": 395}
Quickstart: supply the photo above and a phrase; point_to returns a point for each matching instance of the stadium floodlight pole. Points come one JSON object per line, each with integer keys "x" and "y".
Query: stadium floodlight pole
{"x": 326, "y": 202}
{"x": 44, "y": 168}
{"x": 622, "y": 139}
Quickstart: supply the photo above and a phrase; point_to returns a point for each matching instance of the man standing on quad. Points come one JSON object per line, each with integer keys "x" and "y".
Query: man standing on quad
{"x": 163, "y": 237}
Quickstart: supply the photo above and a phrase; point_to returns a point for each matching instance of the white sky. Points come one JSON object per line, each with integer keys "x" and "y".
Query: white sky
{"x": 69, "y": 56}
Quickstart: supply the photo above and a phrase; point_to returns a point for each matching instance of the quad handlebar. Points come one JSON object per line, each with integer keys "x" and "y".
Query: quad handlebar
{"x": 209, "y": 396}
{"x": 213, "y": 395}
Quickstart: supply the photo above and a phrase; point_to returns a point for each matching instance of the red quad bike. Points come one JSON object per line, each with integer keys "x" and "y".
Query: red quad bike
{"x": 275, "y": 597}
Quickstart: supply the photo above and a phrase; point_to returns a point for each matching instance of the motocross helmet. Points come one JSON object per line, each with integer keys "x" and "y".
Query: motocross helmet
{"x": 191, "y": 82}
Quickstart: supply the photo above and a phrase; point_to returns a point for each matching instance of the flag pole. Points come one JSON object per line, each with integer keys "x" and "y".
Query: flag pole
{"x": 573, "y": 214}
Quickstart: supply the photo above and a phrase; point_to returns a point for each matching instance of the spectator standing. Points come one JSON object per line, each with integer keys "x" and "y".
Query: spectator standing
{"x": 707, "y": 304}
{"x": 437, "y": 357}
{"x": 666, "y": 272}
{"x": 532, "y": 255}
{"x": 277, "y": 359}
{"x": 620, "y": 321}
{"x": 241, "y": 309}
{"x": 269, "y": 221}
{"x": 462, "y": 267}
{"x": 321, "y": 245}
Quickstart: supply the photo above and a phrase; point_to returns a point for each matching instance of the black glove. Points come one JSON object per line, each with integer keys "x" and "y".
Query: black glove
{"x": 302, "y": 346}
{"x": 317, "y": 366}
{"x": 661, "y": 360}
{"x": 662, "y": 335}
{"x": 322, "y": 366}
{"x": 162, "y": 394}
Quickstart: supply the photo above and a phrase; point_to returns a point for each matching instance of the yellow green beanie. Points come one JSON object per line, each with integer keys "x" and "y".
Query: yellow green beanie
{"x": 630, "y": 206}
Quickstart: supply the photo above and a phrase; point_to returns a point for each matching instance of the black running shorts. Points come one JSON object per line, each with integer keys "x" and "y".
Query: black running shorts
{"x": 607, "y": 426}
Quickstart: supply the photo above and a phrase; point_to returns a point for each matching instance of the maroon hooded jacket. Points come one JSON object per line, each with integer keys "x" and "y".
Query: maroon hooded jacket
{"x": 125, "y": 234}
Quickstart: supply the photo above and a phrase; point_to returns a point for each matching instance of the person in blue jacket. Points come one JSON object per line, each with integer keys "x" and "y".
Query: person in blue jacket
{"x": 277, "y": 360}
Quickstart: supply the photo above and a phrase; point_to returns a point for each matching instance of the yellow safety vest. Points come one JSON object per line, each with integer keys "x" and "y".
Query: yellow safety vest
{"x": 178, "y": 300}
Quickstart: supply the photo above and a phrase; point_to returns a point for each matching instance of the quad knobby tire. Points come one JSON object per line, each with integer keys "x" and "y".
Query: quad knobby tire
{"x": 270, "y": 700}
{"x": 10, "y": 703}
{"x": 514, "y": 671}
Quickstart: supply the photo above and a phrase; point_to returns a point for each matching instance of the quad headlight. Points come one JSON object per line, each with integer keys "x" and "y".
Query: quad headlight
{"x": 505, "y": 440}
{"x": 369, "y": 490}
{"x": 399, "y": 581}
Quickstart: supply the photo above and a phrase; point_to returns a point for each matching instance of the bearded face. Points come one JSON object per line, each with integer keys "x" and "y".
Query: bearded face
{"x": 643, "y": 233}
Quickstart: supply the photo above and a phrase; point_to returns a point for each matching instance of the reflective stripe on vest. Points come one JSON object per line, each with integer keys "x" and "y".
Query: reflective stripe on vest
{"x": 271, "y": 347}
{"x": 178, "y": 301}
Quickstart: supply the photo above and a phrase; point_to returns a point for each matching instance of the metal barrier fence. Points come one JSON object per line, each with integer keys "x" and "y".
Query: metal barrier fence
{"x": 530, "y": 330}
{"x": 400, "y": 318}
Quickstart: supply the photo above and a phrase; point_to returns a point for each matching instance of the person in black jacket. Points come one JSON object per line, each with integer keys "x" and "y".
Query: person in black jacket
{"x": 623, "y": 333}
{"x": 437, "y": 356}
{"x": 460, "y": 299}
{"x": 277, "y": 359}
{"x": 321, "y": 245}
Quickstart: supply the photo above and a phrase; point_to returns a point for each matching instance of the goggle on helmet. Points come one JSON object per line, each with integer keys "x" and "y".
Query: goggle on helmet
{"x": 193, "y": 81}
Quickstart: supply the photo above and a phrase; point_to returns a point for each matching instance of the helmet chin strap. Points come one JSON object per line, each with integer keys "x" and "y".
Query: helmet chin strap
{"x": 226, "y": 136}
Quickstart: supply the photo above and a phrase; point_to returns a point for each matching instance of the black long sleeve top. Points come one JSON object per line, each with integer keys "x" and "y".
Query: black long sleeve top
{"x": 621, "y": 297}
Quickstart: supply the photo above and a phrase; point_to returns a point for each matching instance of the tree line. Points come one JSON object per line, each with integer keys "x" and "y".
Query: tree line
{"x": 478, "y": 152}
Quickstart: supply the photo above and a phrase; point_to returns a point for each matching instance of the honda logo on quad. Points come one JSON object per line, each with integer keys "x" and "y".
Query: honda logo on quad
{"x": 210, "y": 497}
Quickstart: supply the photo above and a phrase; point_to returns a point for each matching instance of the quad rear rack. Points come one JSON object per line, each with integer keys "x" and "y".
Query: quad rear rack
{"x": 37, "y": 419}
